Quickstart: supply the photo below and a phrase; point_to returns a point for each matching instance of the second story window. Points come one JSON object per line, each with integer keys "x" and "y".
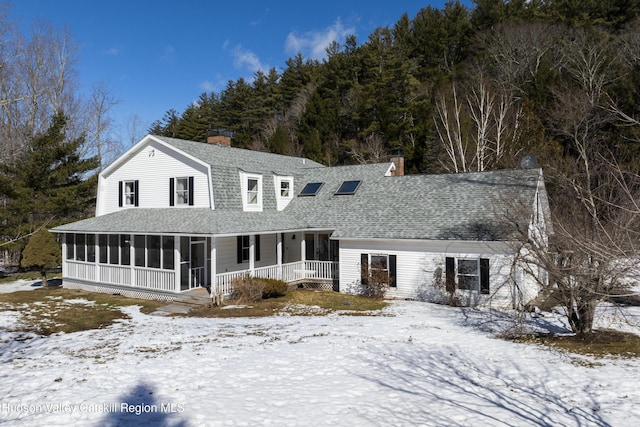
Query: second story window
{"x": 285, "y": 189}
{"x": 251, "y": 187}
{"x": 252, "y": 191}
{"x": 181, "y": 191}
{"x": 128, "y": 193}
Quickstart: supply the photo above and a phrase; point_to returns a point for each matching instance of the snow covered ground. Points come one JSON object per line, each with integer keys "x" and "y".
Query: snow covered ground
{"x": 419, "y": 364}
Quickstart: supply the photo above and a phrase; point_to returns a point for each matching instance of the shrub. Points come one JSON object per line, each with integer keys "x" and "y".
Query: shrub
{"x": 247, "y": 289}
{"x": 274, "y": 288}
{"x": 41, "y": 253}
{"x": 376, "y": 284}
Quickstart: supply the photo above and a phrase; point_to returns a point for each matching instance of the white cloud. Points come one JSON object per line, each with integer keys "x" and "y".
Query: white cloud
{"x": 207, "y": 86}
{"x": 243, "y": 58}
{"x": 169, "y": 54}
{"x": 313, "y": 44}
{"x": 113, "y": 51}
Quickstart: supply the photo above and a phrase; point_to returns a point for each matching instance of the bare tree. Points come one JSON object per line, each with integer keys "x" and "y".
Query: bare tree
{"x": 100, "y": 127}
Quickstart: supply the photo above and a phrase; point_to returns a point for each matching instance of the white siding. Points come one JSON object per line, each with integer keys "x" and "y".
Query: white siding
{"x": 152, "y": 166}
{"x": 227, "y": 253}
{"x": 418, "y": 262}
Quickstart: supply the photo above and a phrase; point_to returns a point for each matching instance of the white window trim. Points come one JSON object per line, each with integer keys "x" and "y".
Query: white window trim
{"x": 244, "y": 186}
{"x": 178, "y": 201}
{"x": 281, "y": 200}
{"x": 477, "y": 275}
{"x": 125, "y": 193}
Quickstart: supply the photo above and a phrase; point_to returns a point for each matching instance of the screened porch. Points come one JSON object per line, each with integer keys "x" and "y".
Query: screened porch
{"x": 177, "y": 264}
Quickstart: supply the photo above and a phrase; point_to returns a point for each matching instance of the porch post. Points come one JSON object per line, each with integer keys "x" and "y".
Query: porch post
{"x": 64, "y": 255}
{"x": 177, "y": 263}
{"x": 303, "y": 248}
{"x": 213, "y": 267}
{"x": 252, "y": 253}
{"x": 96, "y": 254}
{"x": 132, "y": 257}
{"x": 279, "y": 253}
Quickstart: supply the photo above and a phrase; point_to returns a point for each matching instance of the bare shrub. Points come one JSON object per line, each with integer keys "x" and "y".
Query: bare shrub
{"x": 376, "y": 283}
{"x": 247, "y": 289}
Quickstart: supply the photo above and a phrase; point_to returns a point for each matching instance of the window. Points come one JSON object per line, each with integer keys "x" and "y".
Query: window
{"x": 251, "y": 185}
{"x": 139, "y": 250}
{"x": 128, "y": 193}
{"x": 70, "y": 240}
{"x": 114, "y": 248}
{"x": 167, "y": 252}
{"x": 103, "y": 240}
{"x": 285, "y": 189}
{"x": 91, "y": 247}
{"x": 468, "y": 274}
{"x": 181, "y": 191}
{"x": 153, "y": 251}
{"x": 372, "y": 264}
{"x": 243, "y": 248}
{"x": 348, "y": 187}
{"x": 471, "y": 274}
{"x": 311, "y": 189}
{"x": 80, "y": 247}
{"x": 125, "y": 249}
{"x": 252, "y": 191}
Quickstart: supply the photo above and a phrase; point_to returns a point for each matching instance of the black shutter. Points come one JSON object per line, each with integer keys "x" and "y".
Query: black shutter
{"x": 120, "y": 194}
{"x": 171, "y": 192}
{"x": 256, "y": 249}
{"x": 239, "y": 249}
{"x": 392, "y": 271}
{"x": 136, "y": 191}
{"x": 484, "y": 275}
{"x": 190, "y": 191}
{"x": 450, "y": 274}
{"x": 364, "y": 269}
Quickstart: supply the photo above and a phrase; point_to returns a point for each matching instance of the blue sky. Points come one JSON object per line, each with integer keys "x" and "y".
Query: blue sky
{"x": 161, "y": 54}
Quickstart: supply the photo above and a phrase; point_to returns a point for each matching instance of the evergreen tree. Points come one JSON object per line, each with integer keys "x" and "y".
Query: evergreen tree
{"x": 41, "y": 253}
{"x": 49, "y": 185}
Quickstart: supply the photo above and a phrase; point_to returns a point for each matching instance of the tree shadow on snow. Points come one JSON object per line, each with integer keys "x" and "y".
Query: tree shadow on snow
{"x": 501, "y": 322}
{"x": 140, "y": 407}
{"x": 449, "y": 388}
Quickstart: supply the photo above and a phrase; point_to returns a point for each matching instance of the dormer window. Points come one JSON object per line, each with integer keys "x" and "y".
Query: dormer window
{"x": 251, "y": 185}
{"x": 252, "y": 192}
{"x": 284, "y": 191}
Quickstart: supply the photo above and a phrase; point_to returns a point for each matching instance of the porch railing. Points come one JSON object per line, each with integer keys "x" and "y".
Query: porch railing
{"x": 149, "y": 278}
{"x": 291, "y": 272}
{"x": 165, "y": 280}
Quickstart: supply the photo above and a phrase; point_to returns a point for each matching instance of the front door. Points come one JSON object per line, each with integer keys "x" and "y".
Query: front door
{"x": 198, "y": 260}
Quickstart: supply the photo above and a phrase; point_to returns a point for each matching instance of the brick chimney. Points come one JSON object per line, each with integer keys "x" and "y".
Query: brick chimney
{"x": 397, "y": 157}
{"x": 219, "y": 136}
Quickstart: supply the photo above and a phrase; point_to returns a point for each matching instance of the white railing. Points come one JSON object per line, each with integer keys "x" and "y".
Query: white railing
{"x": 165, "y": 280}
{"x": 115, "y": 274}
{"x": 291, "y": 272}
{"x": 151, "y": 278}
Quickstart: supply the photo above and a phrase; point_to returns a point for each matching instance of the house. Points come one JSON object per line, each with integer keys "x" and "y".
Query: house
{"x": 175, "y": 215}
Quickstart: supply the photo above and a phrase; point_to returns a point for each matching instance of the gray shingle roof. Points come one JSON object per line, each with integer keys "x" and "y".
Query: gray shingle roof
{"x": 468, "y": 206}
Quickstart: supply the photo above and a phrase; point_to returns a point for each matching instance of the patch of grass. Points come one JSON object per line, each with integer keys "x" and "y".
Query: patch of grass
{"x": 48, "y": 311}
{"x": 600, "y": 343}
{"x": 326, "y": 301}
{"x": 27, "y": 275}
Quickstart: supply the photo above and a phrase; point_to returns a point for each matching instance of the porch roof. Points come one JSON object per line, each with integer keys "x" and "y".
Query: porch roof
{"x": 184, "y": 221}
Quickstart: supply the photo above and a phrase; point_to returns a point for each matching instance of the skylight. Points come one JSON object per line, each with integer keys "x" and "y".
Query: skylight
{"x": 311, "y": 189}
{"x": 348, "y": 187}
